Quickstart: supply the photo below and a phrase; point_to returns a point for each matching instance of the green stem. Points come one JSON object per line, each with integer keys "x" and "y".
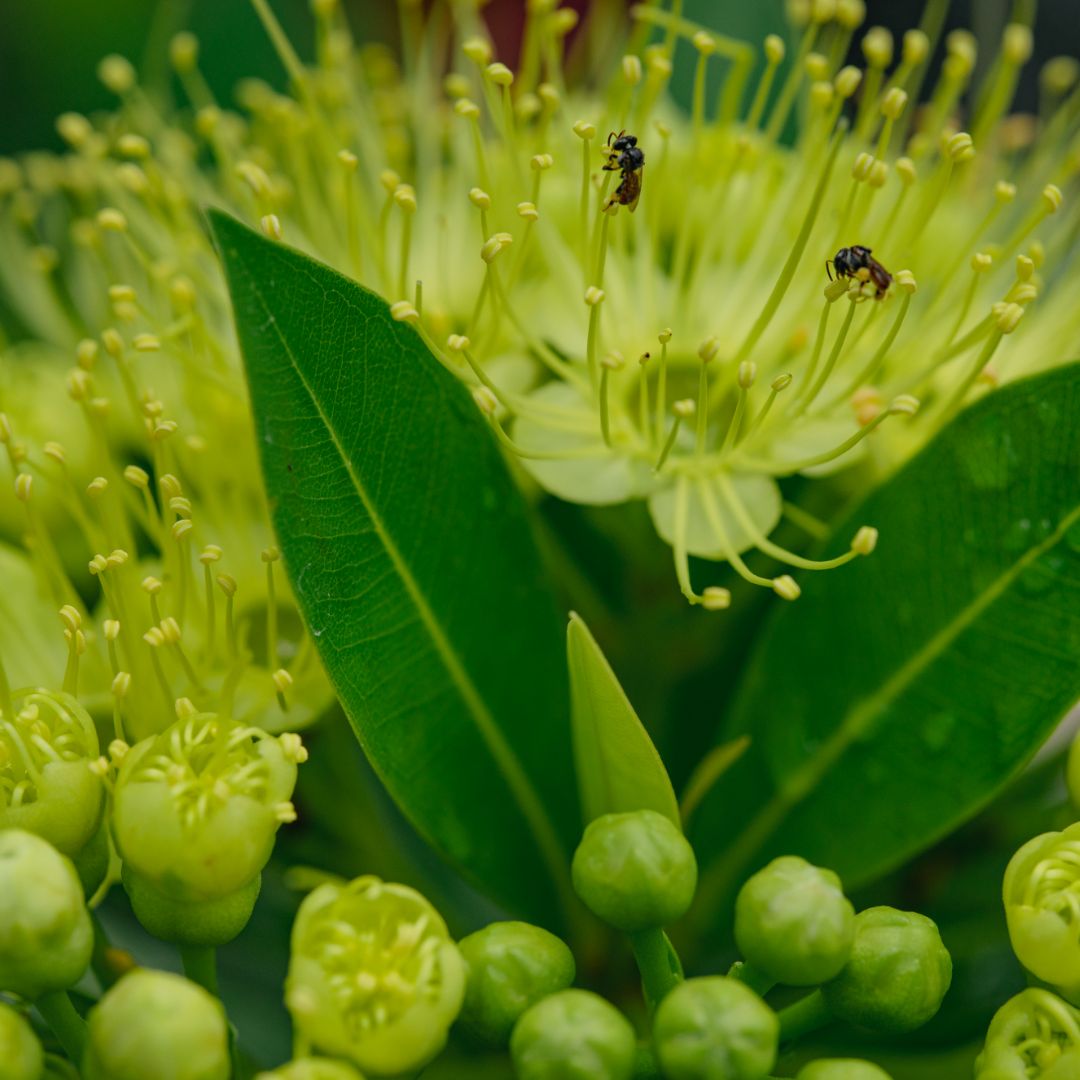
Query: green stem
{"x": 804, "y": 1016}
{"x": 752, "y": 977}
{"x": 66, "y": 1024}
{"x": 659, "y": 964}
{"x": 200, "y": 966}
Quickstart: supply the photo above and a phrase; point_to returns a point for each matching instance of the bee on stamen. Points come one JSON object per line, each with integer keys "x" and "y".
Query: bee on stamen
{"x": 626, "y": 157}
{"x": 857, "y": 262}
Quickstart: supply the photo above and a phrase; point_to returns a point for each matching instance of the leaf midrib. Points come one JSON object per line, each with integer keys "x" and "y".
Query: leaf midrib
{"x": 505, "y": 759}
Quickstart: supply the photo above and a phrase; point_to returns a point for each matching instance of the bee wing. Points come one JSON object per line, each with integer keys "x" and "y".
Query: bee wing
{"x": 640, "y": 175}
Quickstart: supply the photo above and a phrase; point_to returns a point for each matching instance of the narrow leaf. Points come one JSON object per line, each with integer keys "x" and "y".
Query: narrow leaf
{"x": 898, "y": 694}
{"x": 618, "y": 767}
{"x": 409, "y": 551}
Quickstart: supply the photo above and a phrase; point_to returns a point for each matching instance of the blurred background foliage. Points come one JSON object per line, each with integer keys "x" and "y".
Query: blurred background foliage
{"x": 675, "y": 670}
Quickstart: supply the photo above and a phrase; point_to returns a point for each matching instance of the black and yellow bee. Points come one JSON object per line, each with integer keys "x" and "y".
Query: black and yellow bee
{"x": 625, "y": 156}
{"x": 857, "y": 262}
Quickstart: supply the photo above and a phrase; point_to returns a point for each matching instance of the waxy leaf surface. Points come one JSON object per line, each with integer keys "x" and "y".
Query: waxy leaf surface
{"x": 618, "y": 767}
{"x": 410, "y": 553}
{"x": 901, "y": 691}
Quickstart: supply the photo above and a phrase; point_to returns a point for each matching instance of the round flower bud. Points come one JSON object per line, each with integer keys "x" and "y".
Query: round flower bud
{"x": 573, "y": 1035}
{"x": 715, "y": 1028}
{"x": 195, "y": 814}
{"x": 841, "y": 1069}
{"x": 152, "y": 1023}
{"x": 1039, "y": 893}
{"x": 897, "y": 975}
{"x": 311, "y": 1068}
{"x": 45, "y": 932}
{"x": 1031, "y": 1037}
{"x": 21, "y": 1056}
{"x": 509, "y": 967}
{"x": 636, "y": 871}
{"x": 373, "y": 975}
{"x": 793, "y": 922}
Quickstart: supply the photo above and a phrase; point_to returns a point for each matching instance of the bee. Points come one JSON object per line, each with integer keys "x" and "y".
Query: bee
{"x": 857, "y": 262}
{"x": 626, "y": 157}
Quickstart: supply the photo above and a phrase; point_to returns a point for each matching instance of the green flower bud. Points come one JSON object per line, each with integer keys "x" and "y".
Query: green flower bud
{"x": 195, "y": 815}
{"x": 897, "y": 975}
{"x": 311, "y": 1068}
{"x": 46, "y": 784}
{"x": 715, "y": 1028}
{"x": 635, "y": 871}
{"x": 573, "y": 1035}
{"x": 21, "y": 1056}
{"x": 509, "y": 967}
{"x": 152, "y": 1023}
{"x": 1040, "y": 892}
{"x": 373, "y": 975}
{"x": 793, "y": 922}
{"x": 45, "y": 932}
{"x": 842, "y": 1069}
{"x": 1033, "y": 1036}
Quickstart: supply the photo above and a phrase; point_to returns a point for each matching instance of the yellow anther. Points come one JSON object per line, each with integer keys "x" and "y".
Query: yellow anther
{"x": 185, "y": 710}
{"x": 1052, "y": 198}
{"x": 549, "y": 96}
{"x": 210, "y": 554}
{"x": 154, "y": 637}
{"x": 715, "y": 598}
{"x": 659, "y": 65}
{"x": 1037, "y": 253}
{"x": 182, "y": 293}
{"x": 478, "y": 50}
{"x": 467, "y": 108}
{"x": 1004, "y": 191}
{"x": 282, "y": 680}
{"x": 703, "y": 41}
{"x": 116, "y": 73}
{"x": 292, "y": 746}
{"x": 613, "y": 361}
{"x": 136, "y": 476}
{"x": 55, "y": 451}
{"x": 786, "y": 587}
{"x": 133, "y": 178}
{"x": 863, "y": 163}
{"x": 1023, "y": 293}
{"x": 960, "y": 147}
{"x": 499, "y": 74}
{"x": 526, "y": 107}
{"x": 684, "y": 408}
{"x": 1008, "y": 318}
{"x": 227, "y": 584}
{"x": 817, "y": 67}
{"x": 98, "y": 565}
{"x": 74, "y": 129}
{"x": 904, "y": 405}
{"x": 71, "y": 618}
{"x": 162, "y": 429}
{"x": 117, "y": 557}
{"x": 121, "y": 684}
{"x": 118, "y": 749}
{"x": 774, "y": 49}
{"x": 894, "y": 103}
{"x": 865, "y": 540}
{"x": 747, "y": 374}
{"x": 113, "y": 342}
{"x": 270, "y": 224}
{"x": 584, "y": 130}
{"x": 255, "y": 177}
{"x": 1025, "y": 268}
{"x": 207, "y": 120}
{"x": 270, "y": 554}
{"x": 990, "y": 376}
{"x": 981, "y": 261}
{"x": 99, "y": 766}
{"x": 822, "y": 11}
{"x": 86, "y": 353}
{"x": 485, "y": 400}
{"x": 866, "y": 404}
{"x": 631, "y": 70}
{"x": 905, "y": 169}
{"x": 146, "y": 343}
{"x": 111, "y": 220}
{"x": 905, "y": 280}
{"x": 97, "y": 487}
{"x": 541, "y": 162}
{"x": 170, "y": 630}
{"x": 24, "y": 482}
{"x": 835, "y": 289}
{"x": 847, "y": 81}
{"x": 184, "y": 51}
{"x": 877, "y": 47}
{"x": 708, "y": 349}
{"x": 456, "y": 86}
{"x": 879, "y": 173}
{"x": 1016, "y": 44}
{"x": 170, "y": 486}
{"x": 133, "y": 146}
{"x": 180, "y": 505}
{"x": 528, "y": 211}
{"x": 491, "y": 249}
{"x": 405, "y": 197}
{"x": 180, "y": 528}
{"x": 664, "y": 336}
{"x": 781, "y": 382}
{"x": 1059, "y": 74}
{"x": 480, "y": 198}
{"x": 285, "y": 812}
{"x": 821, "y": 94}
{"x": 916, "y": 46}
{"x": 403, "y": 311}
{"x": 963, "y": 52}
{"x": 850, "y": 13}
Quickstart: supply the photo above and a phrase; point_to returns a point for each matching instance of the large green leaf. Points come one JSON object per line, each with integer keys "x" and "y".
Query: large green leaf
{"x": 410, "y": 554}
{"x": 900, "y": 692}
{"x": 618, "y": 768}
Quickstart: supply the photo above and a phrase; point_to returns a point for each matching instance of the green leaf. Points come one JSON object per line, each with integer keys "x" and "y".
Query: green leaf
{"x": 900, "y": 692}
{"x": 618, "y": 768}
{"x": 410, "y": 553}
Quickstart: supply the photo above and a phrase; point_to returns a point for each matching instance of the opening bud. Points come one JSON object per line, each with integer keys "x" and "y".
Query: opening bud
{"x": 21, "y": 1054}
{"x": 1033, "y": 1035}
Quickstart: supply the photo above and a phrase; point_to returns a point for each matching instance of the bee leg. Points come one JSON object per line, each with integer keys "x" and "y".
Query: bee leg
{"x": 828, "y": 268}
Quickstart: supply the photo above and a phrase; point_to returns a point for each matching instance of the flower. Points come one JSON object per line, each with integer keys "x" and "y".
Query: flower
{"x": 373, "y": 975}
{"x": 1033, "y": 1036}
{"x": 310, "y": 1068}
{"x": 690, "y": 354}
{"x": 841, "y": 1069}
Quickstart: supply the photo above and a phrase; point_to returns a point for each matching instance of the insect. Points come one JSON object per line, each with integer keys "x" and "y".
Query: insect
{"x": 857, "y": 262}
{"x": 625, "y": 156}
